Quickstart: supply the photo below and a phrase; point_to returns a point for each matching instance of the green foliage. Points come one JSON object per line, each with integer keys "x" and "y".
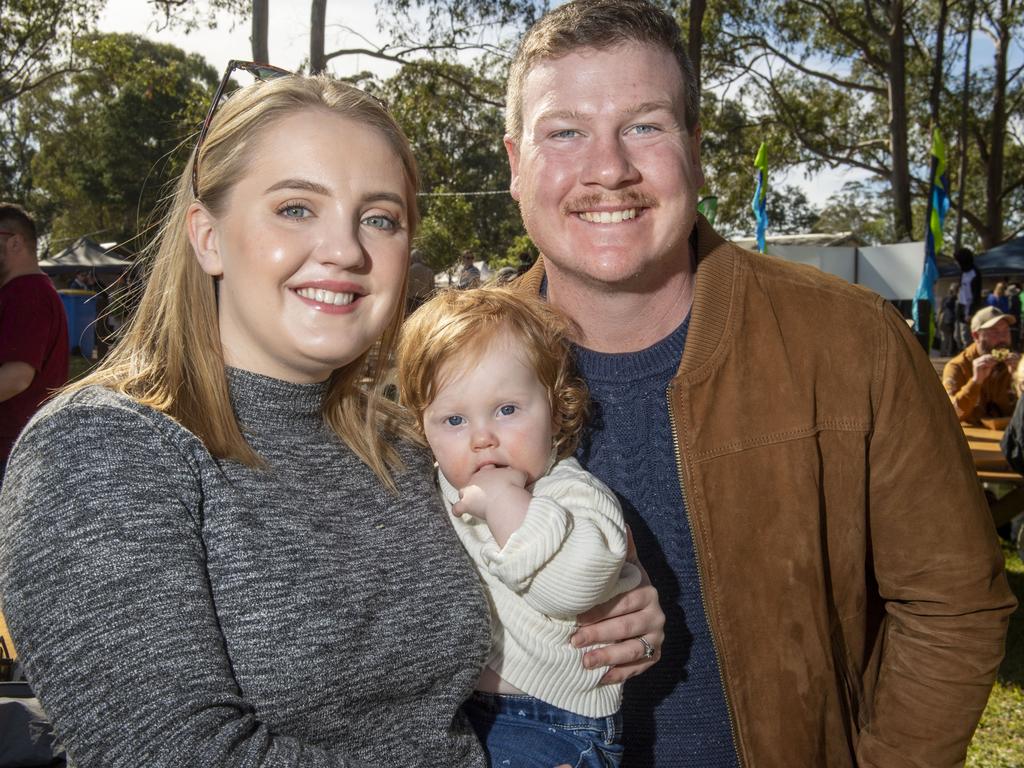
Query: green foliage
{"x": 446, "y": 231}
{"x": 457, "y": 142}
{"x": 860, "y": 208}
{"x": 37, "y": 41}
{"x": 108, "y": 137}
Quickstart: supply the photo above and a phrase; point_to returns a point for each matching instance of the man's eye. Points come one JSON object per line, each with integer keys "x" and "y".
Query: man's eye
{"x": 568, "y": 133}
{"x": 643, "y": 129}
{"x": 380, "y": 221}
{"x": 507, "y": 410}
{"x": 453, "y": 421}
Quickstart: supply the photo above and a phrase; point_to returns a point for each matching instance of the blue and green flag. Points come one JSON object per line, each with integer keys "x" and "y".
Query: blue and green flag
{"x": 760, "y": 201}
{"x": 933, "y": 237}
{"x": 708, "y": 208}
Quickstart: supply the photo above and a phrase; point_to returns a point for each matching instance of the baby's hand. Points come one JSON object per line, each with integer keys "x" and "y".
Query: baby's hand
{"x": 487, "y": 488}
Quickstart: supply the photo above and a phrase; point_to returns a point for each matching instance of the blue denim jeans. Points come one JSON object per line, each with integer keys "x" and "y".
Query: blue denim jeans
{"x": 524, "y": 732}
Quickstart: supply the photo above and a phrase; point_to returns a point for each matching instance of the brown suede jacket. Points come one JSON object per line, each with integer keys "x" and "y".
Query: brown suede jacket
{"x": 853, "y": 581}
{"x": 973, "y": 402}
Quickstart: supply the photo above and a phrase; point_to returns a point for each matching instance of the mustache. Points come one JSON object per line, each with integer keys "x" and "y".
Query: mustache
{"x": 627, "y": 199}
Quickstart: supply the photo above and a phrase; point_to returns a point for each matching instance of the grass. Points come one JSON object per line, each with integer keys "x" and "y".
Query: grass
{"x": 999, "y": 740}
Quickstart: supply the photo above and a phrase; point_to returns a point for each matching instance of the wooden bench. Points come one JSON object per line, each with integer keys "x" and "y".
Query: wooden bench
{"x": 992, "y": 467}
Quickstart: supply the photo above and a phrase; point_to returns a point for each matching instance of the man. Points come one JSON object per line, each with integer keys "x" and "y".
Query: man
{"x": 802, "y": 500}
{"x": 421, "y": 281}
{"x": 969, "y": 297}
{"x": 469, "y": 275}
{"x": 979, "y": 380}
{"x": 33, "y": 329}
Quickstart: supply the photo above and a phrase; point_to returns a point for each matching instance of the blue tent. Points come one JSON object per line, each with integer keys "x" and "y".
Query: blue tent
{"x": 1004, "y": 259}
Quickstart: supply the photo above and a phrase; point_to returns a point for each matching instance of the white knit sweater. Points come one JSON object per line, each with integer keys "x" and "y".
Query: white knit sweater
{"x": 566, "y": 557}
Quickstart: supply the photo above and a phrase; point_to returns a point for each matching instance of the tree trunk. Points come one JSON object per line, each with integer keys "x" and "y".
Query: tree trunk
{"x": 695, "y": 40}
{"x": 964, "y": 103}
{"x": 260, "y": 17}
{"x": 902, "y": 220}
{"x": 993, "y": 234}
{"x": 317, "y": 22}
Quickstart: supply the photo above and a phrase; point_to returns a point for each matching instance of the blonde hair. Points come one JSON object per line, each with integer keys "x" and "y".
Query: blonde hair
{"x": 171, "y": 357}
{"x": 599, "y": 24}
{"x": 462, "y": 324}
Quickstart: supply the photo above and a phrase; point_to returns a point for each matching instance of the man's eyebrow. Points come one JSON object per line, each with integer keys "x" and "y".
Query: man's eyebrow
{"x": 649, "y": 106}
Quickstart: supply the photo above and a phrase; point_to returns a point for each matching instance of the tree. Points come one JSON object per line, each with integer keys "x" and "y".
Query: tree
{"x": 112, "y": 137}
{"x": 860, "y": 208}
{"x": 457, "y": 143}
{"x": 190, "y": 14}
{"x": 37, "y": 41}
{"x": 837, "y": 76}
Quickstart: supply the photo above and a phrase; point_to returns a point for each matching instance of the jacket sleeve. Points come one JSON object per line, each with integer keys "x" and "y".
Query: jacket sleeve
{"x": 105, "y": 591}
{"x": 568, "y": 554}
{"x": 938, "y": 567}
{"x": 963, "y": 391}
{"x": 1012, "y": 443}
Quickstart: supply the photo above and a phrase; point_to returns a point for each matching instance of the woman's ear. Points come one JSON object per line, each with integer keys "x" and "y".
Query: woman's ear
{"x": 205, "y": 239}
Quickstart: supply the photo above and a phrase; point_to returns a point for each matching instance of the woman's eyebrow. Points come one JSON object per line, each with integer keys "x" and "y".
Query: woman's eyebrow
{"x": 304, "y": 184}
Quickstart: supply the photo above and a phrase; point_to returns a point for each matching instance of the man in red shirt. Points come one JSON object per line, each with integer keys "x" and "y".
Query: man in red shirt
{"x": 33, "y": 329}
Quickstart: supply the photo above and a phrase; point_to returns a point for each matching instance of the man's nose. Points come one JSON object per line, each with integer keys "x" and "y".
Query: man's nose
{"x": 609, "y": 163}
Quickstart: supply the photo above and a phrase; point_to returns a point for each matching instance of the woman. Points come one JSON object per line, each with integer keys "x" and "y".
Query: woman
{"x": 208, "y": 555}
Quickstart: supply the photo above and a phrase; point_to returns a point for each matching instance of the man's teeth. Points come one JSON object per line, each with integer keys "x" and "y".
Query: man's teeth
{"x": 608, "y": 217}
{"x": 321, "y": 296}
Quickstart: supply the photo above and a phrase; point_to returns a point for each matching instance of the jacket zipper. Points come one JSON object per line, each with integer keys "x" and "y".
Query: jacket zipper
{"x": 701, "y": 577}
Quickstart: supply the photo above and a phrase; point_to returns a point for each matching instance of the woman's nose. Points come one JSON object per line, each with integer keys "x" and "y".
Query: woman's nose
{"x": 339, "y": 245}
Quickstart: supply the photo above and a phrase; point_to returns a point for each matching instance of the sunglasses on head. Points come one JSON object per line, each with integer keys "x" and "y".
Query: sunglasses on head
{"x": 261, "y": 72}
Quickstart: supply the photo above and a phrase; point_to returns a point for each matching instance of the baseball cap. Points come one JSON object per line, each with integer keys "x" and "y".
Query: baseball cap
{"x": 989, "y": 316}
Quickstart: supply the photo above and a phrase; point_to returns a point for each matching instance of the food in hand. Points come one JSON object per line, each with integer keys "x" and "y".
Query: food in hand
{"x": 1001, "y": 354}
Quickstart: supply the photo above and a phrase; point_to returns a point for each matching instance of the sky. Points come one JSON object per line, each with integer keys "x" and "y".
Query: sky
{"x": 289, "y": 46}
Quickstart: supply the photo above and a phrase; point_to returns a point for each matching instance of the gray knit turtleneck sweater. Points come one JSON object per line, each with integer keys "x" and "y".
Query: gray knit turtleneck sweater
{"x": 173, "y": 610}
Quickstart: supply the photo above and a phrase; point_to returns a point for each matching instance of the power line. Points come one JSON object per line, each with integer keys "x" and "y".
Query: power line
{"x": 462, "y": 194}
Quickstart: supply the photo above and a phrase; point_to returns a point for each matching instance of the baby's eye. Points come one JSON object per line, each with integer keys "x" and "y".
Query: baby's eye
{"x": 507, "y": 410}
{"x": 454, "y": 421}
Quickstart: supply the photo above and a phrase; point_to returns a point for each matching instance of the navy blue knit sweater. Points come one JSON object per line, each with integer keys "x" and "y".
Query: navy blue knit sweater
{"x": 675, "y": 714}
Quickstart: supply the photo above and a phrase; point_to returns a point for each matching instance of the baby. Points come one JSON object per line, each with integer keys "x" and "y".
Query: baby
{"x": 487, "y": 374}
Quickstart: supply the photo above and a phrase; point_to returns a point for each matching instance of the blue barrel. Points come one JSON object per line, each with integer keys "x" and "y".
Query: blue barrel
{"x": 80, "y": 307}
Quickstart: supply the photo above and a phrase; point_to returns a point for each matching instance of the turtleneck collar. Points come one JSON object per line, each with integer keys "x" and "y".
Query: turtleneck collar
{"x": 261, "y": 401}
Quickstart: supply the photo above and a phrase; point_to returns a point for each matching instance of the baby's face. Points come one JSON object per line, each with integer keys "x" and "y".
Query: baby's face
{"x": 490, "y": 412}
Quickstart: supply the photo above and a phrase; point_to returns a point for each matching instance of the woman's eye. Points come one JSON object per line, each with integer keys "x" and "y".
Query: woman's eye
{"x": 380, "y": 221}
{"x": 453, "y": 421}
{"x": 294, "y": 211}
{"x": 507, "y": 410}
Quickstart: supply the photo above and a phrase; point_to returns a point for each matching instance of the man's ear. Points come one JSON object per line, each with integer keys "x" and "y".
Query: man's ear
{"x": 512, "y": 148}
{"x": 205, "y": 239}
{"x": 695, "y": 153}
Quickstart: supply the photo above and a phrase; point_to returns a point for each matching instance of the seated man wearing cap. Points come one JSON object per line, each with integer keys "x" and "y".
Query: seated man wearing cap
{"x": 979, "y": 379}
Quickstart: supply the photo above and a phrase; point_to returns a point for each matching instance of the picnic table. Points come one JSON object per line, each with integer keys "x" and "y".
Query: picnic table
{"x": 992, "y": 467}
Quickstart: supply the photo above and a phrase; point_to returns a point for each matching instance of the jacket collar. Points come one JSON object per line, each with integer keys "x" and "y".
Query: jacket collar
{"x": 714, "y": 314}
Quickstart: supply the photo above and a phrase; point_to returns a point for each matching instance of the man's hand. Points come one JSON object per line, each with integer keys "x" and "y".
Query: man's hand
{"x": 498, "y": 496}
{"x": 620, "y": 621}
{"x": 983, "y": 366}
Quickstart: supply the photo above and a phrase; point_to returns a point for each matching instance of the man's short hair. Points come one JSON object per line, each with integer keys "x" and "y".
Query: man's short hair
{"x": 17, "y": 219}
{"x": 598, "y": 24}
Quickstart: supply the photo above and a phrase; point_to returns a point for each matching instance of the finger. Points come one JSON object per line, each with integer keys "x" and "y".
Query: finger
{"x": 625, "y": 653}
{"x": 622, "y": 673}
{"x": 627, "y": 602}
